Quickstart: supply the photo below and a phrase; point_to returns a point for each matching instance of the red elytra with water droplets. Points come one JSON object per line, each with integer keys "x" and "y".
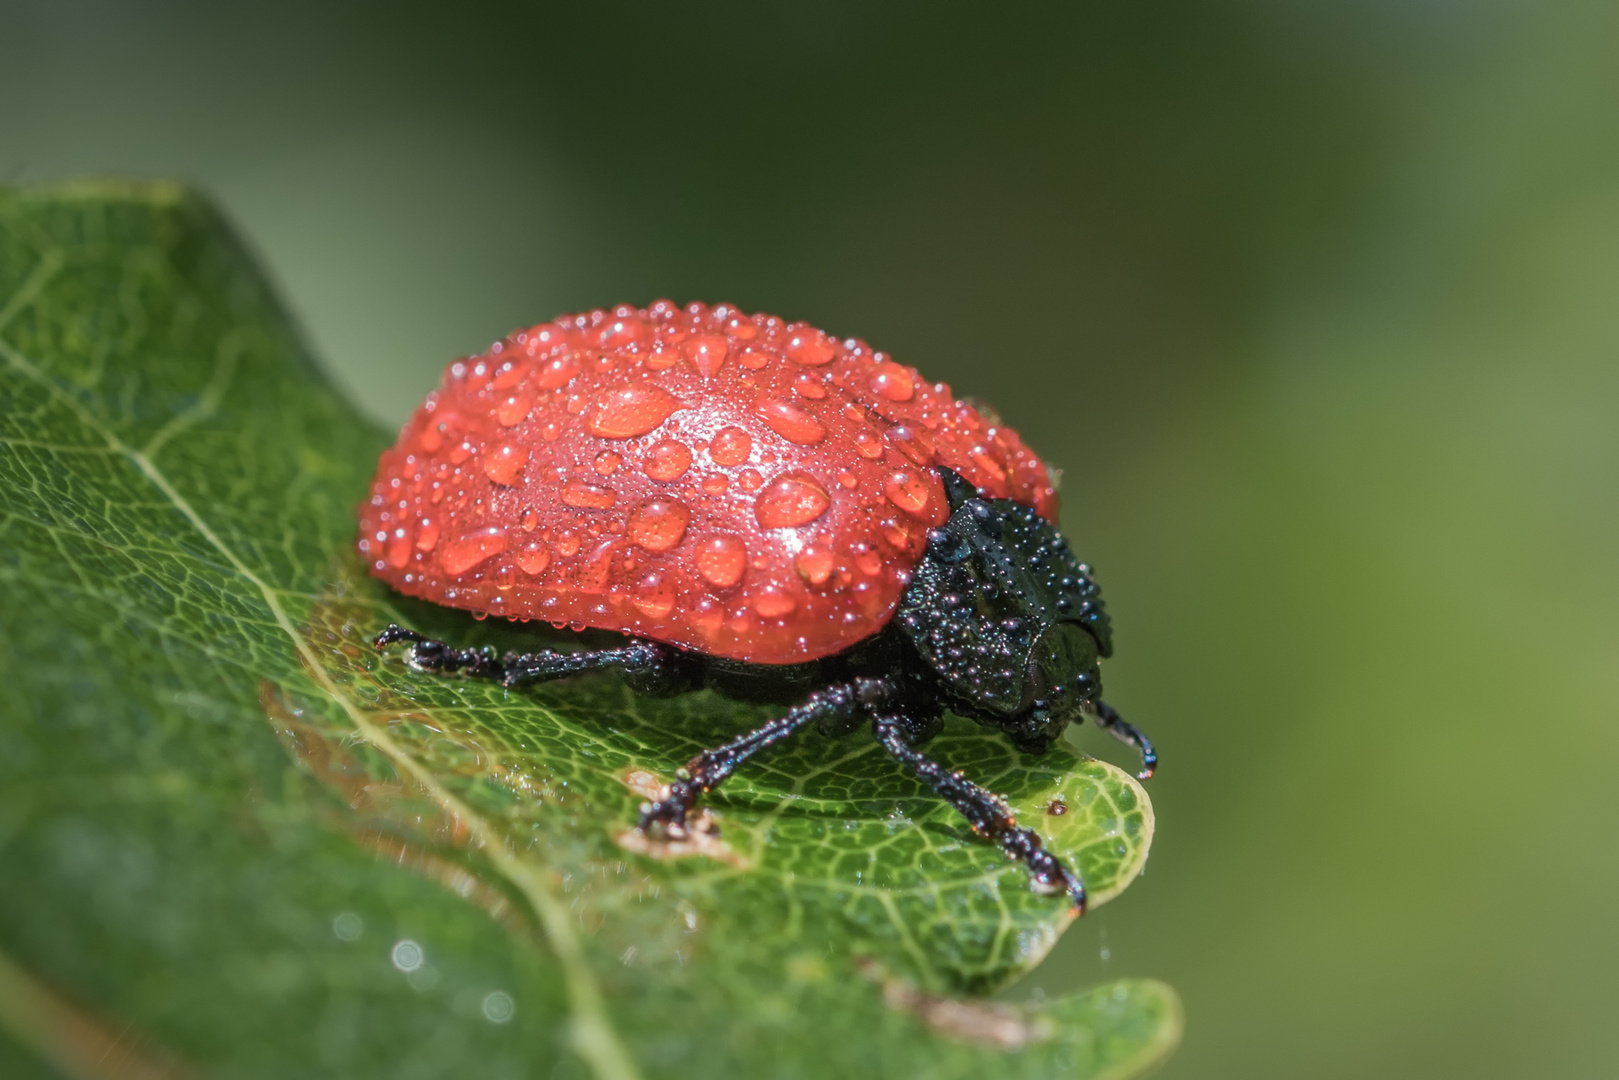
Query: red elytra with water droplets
{"x": 728, "y": 483}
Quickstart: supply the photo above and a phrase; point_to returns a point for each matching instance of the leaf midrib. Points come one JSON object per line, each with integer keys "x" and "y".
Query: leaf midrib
{"x": 592, "y": 1032}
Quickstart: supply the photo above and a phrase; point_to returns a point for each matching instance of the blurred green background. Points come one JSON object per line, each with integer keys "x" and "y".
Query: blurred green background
{"x": 1316, "y": 302}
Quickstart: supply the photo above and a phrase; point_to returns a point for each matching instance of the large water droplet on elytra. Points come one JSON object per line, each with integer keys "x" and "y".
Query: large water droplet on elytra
{"x": 398, "y": 549}
{"x": 754, "y": 359}
{"x": 721, "y": 560}
{"x": 914, "y": 443}
{"x": 706, "y": 353}
{"x": 668, "y": 460}
{"x": 789, "y": 501}
{"x": 578, "y": 493}
{"x": 508, "y": 375}
{"x": 514, "y": 410}
{"x": 809, "y": 387}
{"x": 504, "y": 463}
{"x": 533, "y": 557}
{"x": 631, "y": 410}
{"x": 659, "y": 524}
{"x": 893, "y": 382}
{"x": 907, "y": 491}
{"x": 463, "y": 553}
{"x": 717, "y": 484}
{"x": 731, "y": 446}
{"x": 750, "y": 479}
{"x": 790, "y": 422}
{"x": 774, "y": 602}
{"x": 807, "y": 345}
{"x": 427, "y": 535}
{"x": 568, "y": 544}
{"x": 431, "y": 438}
{"x": 557, "y": 372}
{"x": 654, "y": 596}
{"x": 868, "y": 444}
{"x": 814, "y": 564}
{"x": 607, "y": 462}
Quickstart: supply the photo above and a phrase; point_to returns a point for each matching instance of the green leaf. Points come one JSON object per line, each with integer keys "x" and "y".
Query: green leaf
{"x": 228, "y": 825}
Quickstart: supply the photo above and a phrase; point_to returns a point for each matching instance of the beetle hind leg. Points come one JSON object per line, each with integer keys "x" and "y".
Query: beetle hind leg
{"x": 646, "y": 665}
{"x": 986, "y": 812}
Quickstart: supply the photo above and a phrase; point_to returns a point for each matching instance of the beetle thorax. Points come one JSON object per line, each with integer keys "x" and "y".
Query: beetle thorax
{"x": 1007, "y": 619}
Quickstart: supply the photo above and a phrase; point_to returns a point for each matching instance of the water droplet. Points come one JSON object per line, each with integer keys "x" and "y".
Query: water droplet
{"x": 588, "y": 496}
{"x": 461, "y": 453}
{"x": 556, "y": 373}
{"x": 807, "y": 345}
{"x": 753, "y": 359}
{"x": 594, "y": 574}
{"x": 427, "y": 535}
{"x": 533, "y": 557}
{"x": 668, "y": 460}
{"x": 654, "y": 596}
{"x": 514, "y": 410}
{"x": 987, "y": 461}
{"x": 790, "y": 422}
{"x": 913, "y": 443}
{"x": 631, "y": 410}
{"x": 508, "y": 375}
{"x": 568, "y": 544}
{"x": 774, "y": 602}
{"x": 717, "y": 484}
{"x": 731, "y": 446}
{"x": 741, "y": 327}
{"x": 706, "y": 353}
{"x": 607, "y": 462}
{"x": 907, "y": 491}
{"x": 750, "y": 479}
{"x": 721, "y": 560}
{"x": 814, "y": 564}
{"x": 848, "y": 479}
{"x": 868, "y": 562}
{"x": 809, "y": 387}
{"x": 504, "y": 464}
{"x": 462, "y": 554}
{"x": 868, "y": 444}
{"x": 659, "y": 524}
{"x": 893, "y": 382}
{"x": 432, "y": 437}
{"x": 790, "y": 501}
{"x": 399, "y": 550}
{"x": 530, "y": 520}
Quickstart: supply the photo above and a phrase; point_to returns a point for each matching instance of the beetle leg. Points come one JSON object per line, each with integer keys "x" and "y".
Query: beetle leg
{"x": 709, "y": 769}
{"x": 1114, "y": 724}
{"x": 647, "y": 666}
{"x": 986, "y": 812}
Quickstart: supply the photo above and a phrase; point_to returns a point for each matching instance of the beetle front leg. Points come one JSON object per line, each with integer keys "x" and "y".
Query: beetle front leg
{"x": 1110, "y": 721}
{"x": 986, "y": 812}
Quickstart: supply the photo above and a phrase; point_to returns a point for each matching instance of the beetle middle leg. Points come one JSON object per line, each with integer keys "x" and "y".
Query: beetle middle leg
{"x": 985, "y": 811}
{"x": 830, "y": 707}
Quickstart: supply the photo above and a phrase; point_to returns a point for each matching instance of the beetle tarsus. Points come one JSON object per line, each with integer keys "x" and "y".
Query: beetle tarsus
{"x": 986, "y": 812}
{"x": 1108, "y": 719}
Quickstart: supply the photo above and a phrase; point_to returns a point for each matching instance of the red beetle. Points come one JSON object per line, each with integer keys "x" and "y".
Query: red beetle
{"x": 763, "y": 510}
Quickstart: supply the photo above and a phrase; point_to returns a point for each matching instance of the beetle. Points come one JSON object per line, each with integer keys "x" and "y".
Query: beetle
{"x": 760, "y": 509}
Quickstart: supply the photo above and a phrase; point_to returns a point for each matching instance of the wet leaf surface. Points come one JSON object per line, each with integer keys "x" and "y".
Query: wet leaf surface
{"x": 234, "y": 833}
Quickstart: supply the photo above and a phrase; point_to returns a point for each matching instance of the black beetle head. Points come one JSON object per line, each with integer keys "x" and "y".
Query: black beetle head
{"x": 1008, "y": 620}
